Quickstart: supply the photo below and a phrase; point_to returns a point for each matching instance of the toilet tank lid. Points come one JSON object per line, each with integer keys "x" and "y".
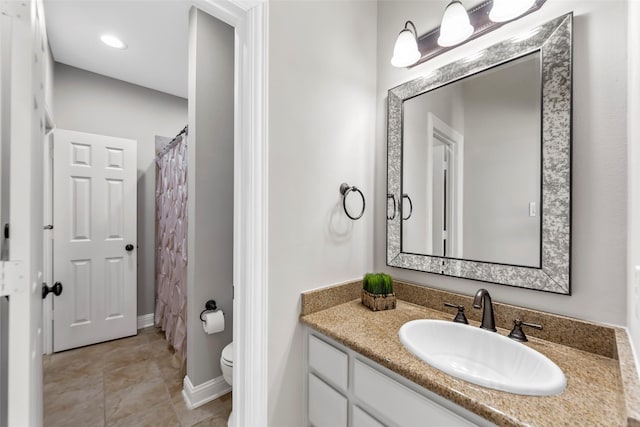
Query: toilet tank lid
{"x": 227, "y": 353}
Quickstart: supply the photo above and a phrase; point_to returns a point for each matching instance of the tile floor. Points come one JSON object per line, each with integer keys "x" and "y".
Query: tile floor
{"x": 127, "y": 382}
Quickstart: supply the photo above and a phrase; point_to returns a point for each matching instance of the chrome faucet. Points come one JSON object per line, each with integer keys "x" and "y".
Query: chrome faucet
{"x": 483, "y": 300}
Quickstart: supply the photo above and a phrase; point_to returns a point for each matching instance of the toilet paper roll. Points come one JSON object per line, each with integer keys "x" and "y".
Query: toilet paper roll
{"x": 213, "y": 322}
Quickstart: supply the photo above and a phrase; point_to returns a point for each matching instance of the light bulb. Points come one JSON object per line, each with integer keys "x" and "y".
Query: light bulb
{"x": 455, "y": 27}
{"x": 506, "y": 10}
{"x": 405, "y": 51}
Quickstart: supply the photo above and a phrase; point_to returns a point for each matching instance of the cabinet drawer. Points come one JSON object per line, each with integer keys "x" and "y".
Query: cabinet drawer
{"x": 362, "y": 419}
{"x": 327, "y": 407}
{"x": 398, "y": 403}
{"x": 329, "y": 362}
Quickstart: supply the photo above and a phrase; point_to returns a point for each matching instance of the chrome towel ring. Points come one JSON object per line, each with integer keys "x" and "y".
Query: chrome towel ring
{"x": 345, "y": 189}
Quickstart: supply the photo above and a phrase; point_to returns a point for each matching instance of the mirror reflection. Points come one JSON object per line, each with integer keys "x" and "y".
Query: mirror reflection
{"x": 471, "y": 167}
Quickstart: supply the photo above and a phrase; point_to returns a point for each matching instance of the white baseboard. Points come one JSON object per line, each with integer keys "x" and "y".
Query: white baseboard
{"x": 195, "y": 396}
{"x": 145, "y": 320}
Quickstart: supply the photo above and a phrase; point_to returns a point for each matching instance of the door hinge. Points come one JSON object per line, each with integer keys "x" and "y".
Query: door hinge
{"x": 12, "y": 277}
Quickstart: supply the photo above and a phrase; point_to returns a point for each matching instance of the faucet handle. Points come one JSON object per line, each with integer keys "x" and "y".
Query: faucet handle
{"x": 517, "y": 333}
{"x": 460, "y": 317}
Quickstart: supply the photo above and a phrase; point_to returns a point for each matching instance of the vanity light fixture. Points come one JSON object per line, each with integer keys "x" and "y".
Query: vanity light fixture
{"x": 113, "y": 41}
{"x": 405, "y": 51}
{"x": 455, "y": 27}
{"x": 458, "y": 26}
{"x": 506, "y": 10}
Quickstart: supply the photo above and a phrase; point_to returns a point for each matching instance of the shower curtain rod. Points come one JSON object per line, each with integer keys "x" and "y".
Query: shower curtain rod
{"x": 173, "y": 142}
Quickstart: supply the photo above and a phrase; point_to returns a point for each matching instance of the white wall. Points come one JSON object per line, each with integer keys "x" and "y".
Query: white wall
{"x": 210, "y": 186}
{"x": 322, "y": 81}
{"x": 88, "y": 102}
{"x": 49, "y": 67}
{"x": 633, "y": 245}
{"x": 599, "y": 152}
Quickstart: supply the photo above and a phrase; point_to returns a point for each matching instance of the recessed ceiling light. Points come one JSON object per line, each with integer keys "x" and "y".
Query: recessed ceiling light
{"x": 113, "y": 41}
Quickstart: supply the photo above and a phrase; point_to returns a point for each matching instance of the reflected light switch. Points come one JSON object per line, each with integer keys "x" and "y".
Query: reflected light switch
{"x": 532, "y": 208}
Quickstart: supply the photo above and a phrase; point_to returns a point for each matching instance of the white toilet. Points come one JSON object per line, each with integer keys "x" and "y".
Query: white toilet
{"x": 226, "y": 364}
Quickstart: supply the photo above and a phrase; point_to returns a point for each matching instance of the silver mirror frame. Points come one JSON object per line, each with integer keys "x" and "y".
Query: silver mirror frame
{"x": 554, "y": 41}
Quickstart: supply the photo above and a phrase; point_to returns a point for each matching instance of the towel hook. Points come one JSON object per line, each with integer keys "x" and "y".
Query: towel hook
{"x": 406, "y": 196}
{"x": 345, "y": 189}
{"x": 395, "y": 209}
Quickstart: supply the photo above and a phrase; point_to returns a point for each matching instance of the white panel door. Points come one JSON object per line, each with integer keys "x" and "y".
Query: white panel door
{"x": 94, "y": 211}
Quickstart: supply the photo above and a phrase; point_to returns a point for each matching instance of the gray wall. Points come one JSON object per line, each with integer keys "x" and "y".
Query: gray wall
{"x": 322, "y": 83}
{"x": 210, "y": 182}
{"x": 88, "y": 102}
{"x": 599, "y": 152}
{"x": 502, "y": 164}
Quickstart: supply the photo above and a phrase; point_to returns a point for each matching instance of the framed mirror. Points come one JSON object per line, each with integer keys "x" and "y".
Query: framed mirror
{"x": 479, "y": 165}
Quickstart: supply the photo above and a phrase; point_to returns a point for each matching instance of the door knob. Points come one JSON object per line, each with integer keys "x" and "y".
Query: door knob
{"x": 129, "y": 247}
{"x": 56, "y": 289}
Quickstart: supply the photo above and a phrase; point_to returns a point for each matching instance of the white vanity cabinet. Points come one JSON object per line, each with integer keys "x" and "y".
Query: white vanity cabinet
{"x": 327, "y": 407}
{"x": 328, "y": 379}
{"x": 346, "y": 389}
{"x": 362, "y": 419}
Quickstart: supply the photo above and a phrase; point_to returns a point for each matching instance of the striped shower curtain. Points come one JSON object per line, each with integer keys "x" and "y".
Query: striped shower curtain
{"x": 171, "y": 245}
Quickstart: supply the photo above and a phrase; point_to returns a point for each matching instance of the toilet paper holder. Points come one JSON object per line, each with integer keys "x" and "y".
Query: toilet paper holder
{"x": 209, "y": 306}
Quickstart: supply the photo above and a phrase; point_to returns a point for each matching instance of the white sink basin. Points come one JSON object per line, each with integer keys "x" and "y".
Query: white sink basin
{"x": 482, "y": 357}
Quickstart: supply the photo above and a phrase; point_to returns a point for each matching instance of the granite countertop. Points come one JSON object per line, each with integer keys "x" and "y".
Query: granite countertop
{"x": 596, "y": 383}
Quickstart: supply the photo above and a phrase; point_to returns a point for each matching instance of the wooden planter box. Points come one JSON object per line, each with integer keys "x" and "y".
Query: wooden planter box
{"x": 378, "y": 302}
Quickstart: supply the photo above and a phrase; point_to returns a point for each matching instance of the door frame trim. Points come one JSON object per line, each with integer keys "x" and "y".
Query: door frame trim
{"x": 47, "y": 237}
{"x": 439, "y": 129}
{"x": 251, "y": 184}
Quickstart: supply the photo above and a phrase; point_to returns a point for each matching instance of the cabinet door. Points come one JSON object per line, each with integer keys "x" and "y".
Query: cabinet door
{"x": 329, "y": 362}
{"x": 398, "y": 403}
{"x": 327, "y": 407}
{"x": 362, "y": 419}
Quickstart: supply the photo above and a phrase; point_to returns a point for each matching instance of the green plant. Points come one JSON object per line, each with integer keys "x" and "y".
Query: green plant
{"x": 377, "y": 283}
